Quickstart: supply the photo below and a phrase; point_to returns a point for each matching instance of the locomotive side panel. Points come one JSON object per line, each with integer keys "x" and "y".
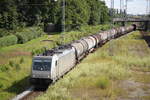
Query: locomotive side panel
{"x": 65, "y": 62}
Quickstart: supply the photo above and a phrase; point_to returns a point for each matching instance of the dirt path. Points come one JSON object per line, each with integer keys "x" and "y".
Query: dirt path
{"x": 136, "y": 88}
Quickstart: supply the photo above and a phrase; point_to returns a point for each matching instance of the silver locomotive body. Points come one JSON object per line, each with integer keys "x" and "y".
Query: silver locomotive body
{"x": 47, "y": 69}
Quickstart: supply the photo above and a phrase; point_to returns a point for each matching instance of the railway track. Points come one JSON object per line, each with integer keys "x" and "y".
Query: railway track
{"x": 29, "y": 94}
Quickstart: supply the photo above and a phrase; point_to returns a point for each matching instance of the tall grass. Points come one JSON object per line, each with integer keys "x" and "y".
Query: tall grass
{"x": 97, "y": 76}
{"x": 15, "y": 61}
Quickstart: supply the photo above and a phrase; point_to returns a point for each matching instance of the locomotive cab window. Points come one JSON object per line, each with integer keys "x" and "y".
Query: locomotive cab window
{"x": 44, "y": 65}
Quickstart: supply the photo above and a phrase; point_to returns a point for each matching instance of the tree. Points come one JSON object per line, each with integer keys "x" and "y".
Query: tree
{"x": 8, "y": 14}
{"x": 17, "y": 13}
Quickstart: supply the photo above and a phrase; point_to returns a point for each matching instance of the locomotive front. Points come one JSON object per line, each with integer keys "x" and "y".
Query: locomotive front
{"x": 41, "y": 70}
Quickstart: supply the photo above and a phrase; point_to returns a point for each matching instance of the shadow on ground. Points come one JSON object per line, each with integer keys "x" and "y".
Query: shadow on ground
{"x": 146, "y": 37}
{"x": 18, "y": 86}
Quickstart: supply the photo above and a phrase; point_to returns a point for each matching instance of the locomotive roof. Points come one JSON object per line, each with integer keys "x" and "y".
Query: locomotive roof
{"x": 59, "y": 50}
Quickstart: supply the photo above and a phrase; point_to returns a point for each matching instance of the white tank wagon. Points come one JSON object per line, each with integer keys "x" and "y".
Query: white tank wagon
{"x": 90, "y": 41}
{"x": 52, "y": 64}
{"x": 113, "y": 33}
{"x": 94, "y": 41}
{"x": 79, "y": 49}
{"x": 104, "y": 36}
{"x": 98, "y": 39}
{"x": 130, "y": 28}
{"x": 85, "y": 45}
{"x": 123, "y": 30}
{"x": 118, "y": 32}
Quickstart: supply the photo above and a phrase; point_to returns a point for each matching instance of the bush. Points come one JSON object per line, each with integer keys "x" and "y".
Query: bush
{"x": 18, "y": 67}
{"x": 21, "y": 60}
{"x": 38, "y": 51}
{"x": 28, "y": 35}
{"x": 1, "y": 85}
{"x": 8, "y": 40}
{"x": 11, "y": 63}
{"x": 4, "y": 68}
{"x": 103, "y": 82}
{"x": 3, "y": 32}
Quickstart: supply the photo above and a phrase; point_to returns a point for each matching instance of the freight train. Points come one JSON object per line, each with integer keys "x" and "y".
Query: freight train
{"x": 53, "y": 64}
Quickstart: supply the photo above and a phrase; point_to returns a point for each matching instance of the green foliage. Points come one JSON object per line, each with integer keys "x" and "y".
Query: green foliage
{"x": 84, "y": 31}
{"x": 20, "y": 13}
{"x": 11, "y": 63}
{"x": 3, "y": 32}
{"x": 8, "y": 14}
{"x": 8, "y": 40}
{"x": 4, "y": 68}
{"x": 15, "y": 79}
{"x": 99, "y": 74}
{"x": 1, "y": 85}
{"x": 103, "y": 82}
{"x": 21, "y": 60}
{"x": 18, "y": 67}
{"x": 77, "y": 14}
{"x": 28, "y": 35}
{"x": 38, "y": 51}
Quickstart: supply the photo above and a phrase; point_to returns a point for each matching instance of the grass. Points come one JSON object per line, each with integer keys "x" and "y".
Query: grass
{"x": 15, "y": 60}
{"x": 99, "y": 74}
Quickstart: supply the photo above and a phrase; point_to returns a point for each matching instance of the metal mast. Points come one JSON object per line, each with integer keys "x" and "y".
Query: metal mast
{"x": 112, "y": 25}
{"x": 120, "y": 7}
{"x": 147, "y": 4}
{"x": 112, "y": 9}
{"x": 62, "y": 38}
{"x": 112, "y": 4}
{"x": 63, "y": 16}
{"x": 149, "y": 8}
{"x": 126, "y": 7}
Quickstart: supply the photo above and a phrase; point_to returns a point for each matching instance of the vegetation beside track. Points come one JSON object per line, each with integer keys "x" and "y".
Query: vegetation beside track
{"x": 15, "y": 60}
{"x": 112, "y": 72}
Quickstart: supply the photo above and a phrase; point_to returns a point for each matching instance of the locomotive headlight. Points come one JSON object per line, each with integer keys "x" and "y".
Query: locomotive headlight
{"x": 48, "y": 76}
{"x": 33, "y": 75}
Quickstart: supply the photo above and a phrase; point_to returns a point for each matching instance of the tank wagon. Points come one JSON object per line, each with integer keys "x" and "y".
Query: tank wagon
{"x": 52, "y": 64}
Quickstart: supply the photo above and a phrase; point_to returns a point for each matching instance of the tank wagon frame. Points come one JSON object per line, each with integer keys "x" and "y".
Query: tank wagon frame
{"x": 53, "y": 64}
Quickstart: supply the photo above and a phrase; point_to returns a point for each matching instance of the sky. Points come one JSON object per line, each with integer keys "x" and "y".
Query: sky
{"x": 134, "y": 6}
